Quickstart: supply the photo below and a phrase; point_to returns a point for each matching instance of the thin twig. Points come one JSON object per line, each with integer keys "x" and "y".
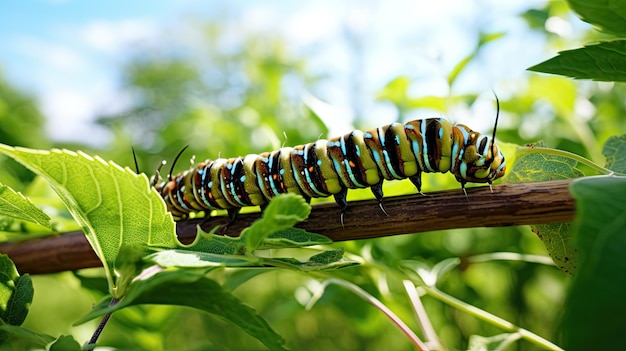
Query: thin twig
{"x": 419, "y": 344}
{"x": 432, "y": 340}
{"x": 96, "y": 334}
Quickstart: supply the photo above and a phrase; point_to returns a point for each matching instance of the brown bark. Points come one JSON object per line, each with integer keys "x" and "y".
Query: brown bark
{"x": 510, "y": 204}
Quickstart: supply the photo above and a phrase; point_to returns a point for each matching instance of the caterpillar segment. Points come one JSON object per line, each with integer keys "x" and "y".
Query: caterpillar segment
{"x": 331, "y": 167}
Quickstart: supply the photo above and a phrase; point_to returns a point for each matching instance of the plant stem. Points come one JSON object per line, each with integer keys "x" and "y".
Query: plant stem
{"x": 490, "y": 318}
{"x": 432, "y": 340}
{"x": 96, "y": 334}
{"x": 419, "y": 344}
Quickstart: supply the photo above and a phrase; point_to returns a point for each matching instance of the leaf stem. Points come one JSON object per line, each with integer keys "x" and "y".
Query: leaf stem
{"x": 96, "y": 334}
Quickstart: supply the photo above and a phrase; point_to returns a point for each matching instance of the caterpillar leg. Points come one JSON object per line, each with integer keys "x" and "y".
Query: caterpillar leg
{"x": 417, "y": 181}
{"x": 490, "y": 187}
{"x": 340, "y": 199}
{"x": 464, "y": 191}
{"x": 377, "y": 190}
{"x": 232, "y": 215}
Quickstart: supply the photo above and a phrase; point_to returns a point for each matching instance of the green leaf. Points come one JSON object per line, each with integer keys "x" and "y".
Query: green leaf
{"x": 15, "y": 205}
{"x": 595, "y": 307}
{"x": 283, "y": 211}
{"x": 187, "y": 288}
{"x": 65, "y": 343}
{"x": 539, "y": 164}
{"x": 458, "y": 68}
{"x": 558, "y": 239}
{"x": 114, "y": 206}
{"x": 293, "y": 237}
{"x": 605, "y": 61}
{"x": 8, "y": 275}
{"x": 16, "y": 293}
{"x": 609, "y": 15}
{"x": 19, "y": 302}
{"x": 180, "y": 258}
{"x": 327, "y": 257}
{"x": 324, "y": 261}
{"x": 22, "y": 338}
{"x": 615, "y": 152}
{"x": 309, "y": 266}
{"x": 216, "y": 244}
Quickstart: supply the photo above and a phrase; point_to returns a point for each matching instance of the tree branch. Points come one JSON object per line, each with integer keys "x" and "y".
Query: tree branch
{"x": 508, "y": 205}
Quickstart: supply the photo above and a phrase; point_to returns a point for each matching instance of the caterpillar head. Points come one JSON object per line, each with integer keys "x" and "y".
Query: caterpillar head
{"x": 478, "y": 160}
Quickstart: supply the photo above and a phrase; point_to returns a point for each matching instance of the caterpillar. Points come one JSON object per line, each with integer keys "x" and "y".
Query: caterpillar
{"x": 331, "y": 167}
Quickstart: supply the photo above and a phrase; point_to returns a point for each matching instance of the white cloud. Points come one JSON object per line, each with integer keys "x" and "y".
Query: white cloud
{"x": 111, "y": 36}
{"x": 312, "y": 23}
{"x": 73, "y": 75}
{"x": 51, "y": 55}
{"x": 71, "y": 114}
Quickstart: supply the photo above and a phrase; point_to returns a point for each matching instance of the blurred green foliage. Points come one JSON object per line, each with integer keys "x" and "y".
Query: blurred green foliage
{"x": 21, "y": 124}
{"x": 242, "y": 100}
{"x": 229, "y": 102}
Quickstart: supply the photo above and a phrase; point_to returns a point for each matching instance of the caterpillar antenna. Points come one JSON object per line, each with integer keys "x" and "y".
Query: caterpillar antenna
{"x": 169, "y": 175}
{"x": 495, "y": 126}
{"x": 135, "y": 159}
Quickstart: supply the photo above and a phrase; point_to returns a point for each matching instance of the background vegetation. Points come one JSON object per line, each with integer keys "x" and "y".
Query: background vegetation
{"x": 242, "y": 101}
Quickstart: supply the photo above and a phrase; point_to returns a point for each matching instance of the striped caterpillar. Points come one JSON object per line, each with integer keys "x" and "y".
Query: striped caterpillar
{"x": 331, "y": 167}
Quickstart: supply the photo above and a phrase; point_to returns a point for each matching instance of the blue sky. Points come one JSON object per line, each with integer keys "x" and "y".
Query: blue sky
{"x": 68, "y": 53}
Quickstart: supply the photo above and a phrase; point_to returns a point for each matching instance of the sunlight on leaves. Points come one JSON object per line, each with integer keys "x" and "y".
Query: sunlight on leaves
{"x": 194, "y": 259}
{"x": 608, "y": 15}
{"x": 605, "y": 61}
{"x": 114, "y": 206}
{"x": 16, "y": 205}
{"x": 16, "y": 293}
{"x": 495, "y": 343}
{"x": 282, "y": 212}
